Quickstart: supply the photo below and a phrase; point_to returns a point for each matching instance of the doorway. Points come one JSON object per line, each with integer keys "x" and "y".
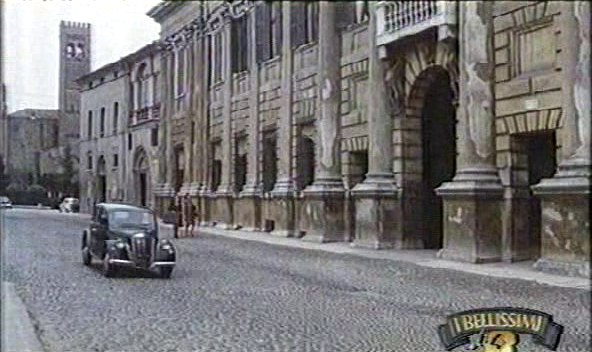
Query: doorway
{"x": 438, "y": 126}
{"x": 540, "y": 150}
{"x": 143, "y": 186}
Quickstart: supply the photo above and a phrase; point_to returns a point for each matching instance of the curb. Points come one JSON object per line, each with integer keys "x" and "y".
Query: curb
{"x": 425, "y": 258}
{"x": 18, "y": 332}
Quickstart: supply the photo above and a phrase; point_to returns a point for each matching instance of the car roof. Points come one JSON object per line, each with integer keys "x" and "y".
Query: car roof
{"x": 121, "y": 206}
{"x": 4, "y": 198}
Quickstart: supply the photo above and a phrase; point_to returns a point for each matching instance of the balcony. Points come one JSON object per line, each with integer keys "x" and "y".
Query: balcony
{"x": 398, "y": 19}
{"x": 144, "y": 114}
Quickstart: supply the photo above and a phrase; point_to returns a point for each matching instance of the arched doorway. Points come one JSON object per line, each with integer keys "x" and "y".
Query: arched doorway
{"x": 433, "y": 96}
{"x": 141, "y": 177}
{"x": 101, "y": 180}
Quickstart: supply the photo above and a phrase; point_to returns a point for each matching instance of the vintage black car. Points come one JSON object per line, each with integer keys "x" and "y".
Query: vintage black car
{"x": 123, "y": 235}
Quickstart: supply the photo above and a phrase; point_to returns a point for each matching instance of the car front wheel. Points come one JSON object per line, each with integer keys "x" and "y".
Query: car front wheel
{"x": 86, "y": 257}
{"x": 165, "y": 272}
{"x": 108, "y": 268}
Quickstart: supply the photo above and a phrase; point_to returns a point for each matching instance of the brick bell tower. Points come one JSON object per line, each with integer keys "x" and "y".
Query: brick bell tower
{"x": 75, "y": 52}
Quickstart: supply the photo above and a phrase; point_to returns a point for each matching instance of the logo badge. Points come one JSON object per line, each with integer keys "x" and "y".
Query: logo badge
{"x": 499, "y": 329}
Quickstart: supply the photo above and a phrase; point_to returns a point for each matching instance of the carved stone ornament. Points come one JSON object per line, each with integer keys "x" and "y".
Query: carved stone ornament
{"x": 395, "y": 87}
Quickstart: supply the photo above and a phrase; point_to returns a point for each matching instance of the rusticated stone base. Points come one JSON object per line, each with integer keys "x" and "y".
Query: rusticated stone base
{"x": 378, "y": 224}
{"x": 472, "y": 228}
{"x": 221, "y": 211}
{"x": 278, "y": 216}
{"x": 321, "y": 217}
{"x": 247, "y": 213}
{"x": 565, "y": 235}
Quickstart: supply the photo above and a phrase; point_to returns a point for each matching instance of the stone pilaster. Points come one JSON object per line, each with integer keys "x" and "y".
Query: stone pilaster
{"x": 377, "y": 222}
{"x": 205, "y": 147}
{"x": 472, "y": 200}
{"x": 324, "y": 199}
{"x": 283, "y": 192}
{"x": 225, "y": 191}
{"x": 565, "y": 198}
{"x": 250, "y": 197}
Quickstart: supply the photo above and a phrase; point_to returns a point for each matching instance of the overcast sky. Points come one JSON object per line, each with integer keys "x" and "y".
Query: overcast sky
{"x": 31, "y": 40}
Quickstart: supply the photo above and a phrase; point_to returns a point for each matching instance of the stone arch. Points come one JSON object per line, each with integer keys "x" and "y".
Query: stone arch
{"x": 424, "y": 56}
{"x": 428, "y": 147}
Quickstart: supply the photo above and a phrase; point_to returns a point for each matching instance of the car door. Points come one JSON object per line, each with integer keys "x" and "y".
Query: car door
{"x": 98, "y": 232}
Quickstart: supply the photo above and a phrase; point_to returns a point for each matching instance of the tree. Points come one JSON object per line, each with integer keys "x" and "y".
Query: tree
{"x": 68, "y": 175}
{"x": 4, "y": 180}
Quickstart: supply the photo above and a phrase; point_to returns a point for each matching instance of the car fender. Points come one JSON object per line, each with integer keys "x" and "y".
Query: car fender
{"x": 112, "y": 250}
{"x": 164, "y": 255}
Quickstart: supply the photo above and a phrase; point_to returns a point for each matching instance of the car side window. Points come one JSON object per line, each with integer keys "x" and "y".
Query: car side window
{"x": 102, "y": 217}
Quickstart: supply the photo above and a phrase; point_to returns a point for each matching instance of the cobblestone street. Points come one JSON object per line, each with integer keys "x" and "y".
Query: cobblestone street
{"x": 232, "y": 295}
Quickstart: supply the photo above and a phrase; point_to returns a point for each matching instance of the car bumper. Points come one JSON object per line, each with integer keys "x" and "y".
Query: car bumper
{"x": 129, "y": 263}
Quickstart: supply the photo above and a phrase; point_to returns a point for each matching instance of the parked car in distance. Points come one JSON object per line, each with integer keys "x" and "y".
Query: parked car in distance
{"x": 5, "y": 202}
{"x": 123, "y": 235}
{"x": 69, "y": 205}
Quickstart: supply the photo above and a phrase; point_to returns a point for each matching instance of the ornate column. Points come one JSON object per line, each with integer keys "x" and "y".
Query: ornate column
{"x": 205, "y": 146}
{"x": 281, "y": 208}
{"x": 251, "y": 194}
{"x": 324, "y": 199}
{"x": 565, "y": 198}
{"x": 170, "y": 111}
{"x": 377, "y": 214}
{"x": 225, "y": 191}
{"x": 472, "y": 200}
{"x": 196, "y": 93}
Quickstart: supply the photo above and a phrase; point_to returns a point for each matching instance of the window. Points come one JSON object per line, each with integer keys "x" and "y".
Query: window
{"x": 305, "y": 21}
{"x": 90, "y": 124}
{"x": 129, "y": 141}
{"x": 239, "y": 47}
{"x": 305, "y": 162}
{"x": 269, "y": 161}
{"x": 115, "y": 160}
{"x": 90, "y": 85}
{"x": 216, "y": 57}
{"x": 89, "y": 161}
{"x": 180, "y": 72}
{"x": 115, "y": 117}
{"x": 141, "y": 88}
{"x": 269, "y": 30}
{"x": 154, "y": 137}
{"x": 216, "y": 174}
{"x": 102, "y": 123}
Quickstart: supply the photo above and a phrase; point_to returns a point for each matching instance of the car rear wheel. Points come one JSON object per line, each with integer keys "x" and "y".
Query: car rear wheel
{"x": 108, "y": 268}
{"x": 86, "y": 257}
{"x": 165, "y": 272}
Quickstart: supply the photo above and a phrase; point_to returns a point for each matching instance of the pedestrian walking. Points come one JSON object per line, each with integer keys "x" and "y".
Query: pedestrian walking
{"x": 178, "y": 215}
{"x": 188, "y": 214}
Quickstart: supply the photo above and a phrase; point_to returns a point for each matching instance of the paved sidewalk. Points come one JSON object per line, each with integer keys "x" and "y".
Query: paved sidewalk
{"x": 425, "y": 258}
{"x": 18, "y": 333}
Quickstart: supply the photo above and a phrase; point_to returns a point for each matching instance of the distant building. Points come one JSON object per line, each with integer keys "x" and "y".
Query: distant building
{"x": 120, "y": 110}
{"x": 30, "y": 132}
{"x": 33, "y": 141}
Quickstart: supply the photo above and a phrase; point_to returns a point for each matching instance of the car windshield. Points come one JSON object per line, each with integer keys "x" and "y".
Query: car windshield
{"x": 71, "y": 200}
{"x": 131, "y": 218}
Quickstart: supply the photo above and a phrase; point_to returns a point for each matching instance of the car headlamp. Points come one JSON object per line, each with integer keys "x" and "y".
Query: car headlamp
{"x": 120, "y": 245}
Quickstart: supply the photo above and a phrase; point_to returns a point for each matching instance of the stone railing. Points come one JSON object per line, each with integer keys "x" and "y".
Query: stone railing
{"x": 398, "y": 19}
{"x": 148, "y": 113}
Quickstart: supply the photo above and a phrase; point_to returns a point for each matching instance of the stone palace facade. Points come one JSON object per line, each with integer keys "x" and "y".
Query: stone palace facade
{"x": 458, "y": 126}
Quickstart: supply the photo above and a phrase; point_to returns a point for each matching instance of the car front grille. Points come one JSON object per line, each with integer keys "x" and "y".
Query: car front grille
{"x": 142, "y": 249}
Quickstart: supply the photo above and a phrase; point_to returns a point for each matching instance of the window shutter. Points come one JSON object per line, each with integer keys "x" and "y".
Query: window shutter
{"x": 298, "y": 23}
{"x": 262, "y": 19}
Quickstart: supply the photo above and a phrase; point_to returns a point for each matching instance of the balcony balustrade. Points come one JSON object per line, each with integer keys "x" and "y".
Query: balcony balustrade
{"x": 399, "y": 19}
{"x": 145, "y": 114}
